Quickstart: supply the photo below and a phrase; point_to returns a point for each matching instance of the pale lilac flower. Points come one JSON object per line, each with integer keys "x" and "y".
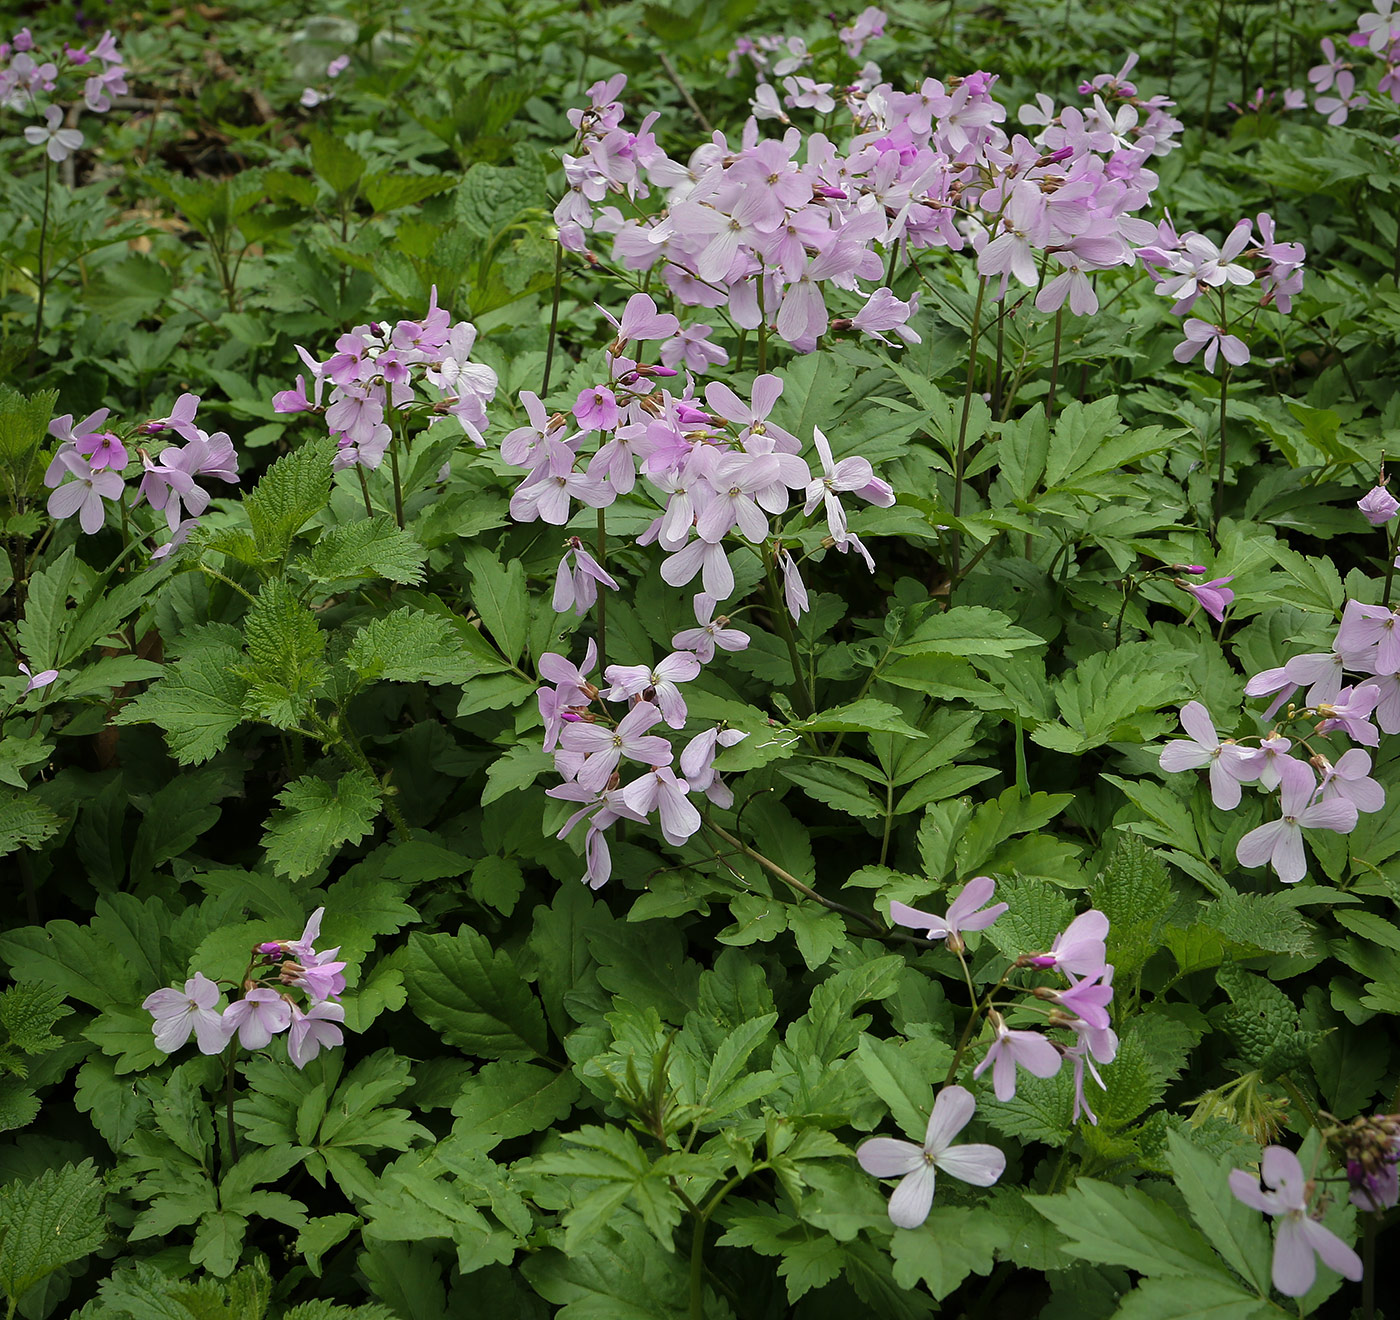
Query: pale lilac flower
{"x": 36, "y": 681}
{"x": 60, "y": 143}
{"x": 1300, "y": 1238}
{"x": 659, "y": 790}
{"x": 710, "y": 633}
{"x": 1351, "y": 710}
{"x": 316, "y": 1029}
{"x": 337, "y": 66}
{"x": 917, "y": 1166}
{"x": 1275, "y": 749}
{"x": 1378, "y": 505}
{"x": 641, "y": 321}
{"x": 576, "y": 588}
{"x": 658, "y": 682}
{"x": 321, "y": 976}
{"x": 794, "y": 591}
{"x": 850, "y": 474}
{"x": 604, "y": 748}
{"x": 883, "y": 311}
{"x": 1350, "y": 780}
{"x": 178, "y": 1012}
{"x": 1376, "y": 1189}
{"x": 303, "y": 949}
{"x": 1213, "y": 338}
{"x": 596, "y": 409}
{"x": 1380, "y": 27}
{"x": 698, "y": 763}
{"x": 1214, "y": 596}
{"x": 1370, "y": 628}
{"x": 692, "y": 346}
{"x": 103, "y": 449}
{"x": 1081, "y": 1057}
{"x": 1280, "y": 842}
{"x": 259, "y": 1016}
{"x": 1087, "y": 1000}
{"x": 1013, "y": 1049}
{"x": 1347, "y": 99}
{"x": 1230, "y": 764}
{"x": 181, "y": 419}
{"x": 968, "y": 911}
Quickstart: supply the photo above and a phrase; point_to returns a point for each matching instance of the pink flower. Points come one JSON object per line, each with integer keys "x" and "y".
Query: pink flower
{"x": 84, "y": 494}
{"x": 710, "y": 633}
{"x": 1349, "y": 779}
{"x": 102, "y": 449}
{"x": 968, "y": 911}
{"x": 659, "y": 682}
{"x": 36, "y": 681}
{"x": 641, "y": 321}
{"x": 660, "y": 790}
{"x": 1300, "y": 1239}
{"x": 917, "y": 1166}
{"x": 1351, "y": 709}
{"x": 576, "y": 588}
{"x": 181, "y": 419}
{"x": 317, "y": 1028}
{"x": 178, "y": 1012}
{"x": 1013, "y": 1049}
{"x": 1280, "y": 842}
{"x": 1213, "y": 596}
{"x": 1080, "y": 949}
{"x": 604, "y": 748}
{"x": 259, "y": 1016}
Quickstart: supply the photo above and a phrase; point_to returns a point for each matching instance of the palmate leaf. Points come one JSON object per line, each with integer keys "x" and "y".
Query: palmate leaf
{"x": 317, "y": 817}
{"x": 47, "y": 1223}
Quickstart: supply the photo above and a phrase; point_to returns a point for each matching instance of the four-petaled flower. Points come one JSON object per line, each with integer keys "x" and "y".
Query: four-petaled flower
{"x": 179, "y": 1012}
{"x": 968, "y": 911}
{"x": 917, "y": 1166}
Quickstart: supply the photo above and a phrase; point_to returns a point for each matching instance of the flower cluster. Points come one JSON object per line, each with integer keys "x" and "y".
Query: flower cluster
{"x": 1318, "y": 789}
{"x": 381, "y": 371}
{"x": 717, "y": 475}
{"x": 311, "y": 97}
{"x": 88, "y": 471}
{"x": 1078, "y": 954}
{"x": 1189, "y": 267}
{"x": 769, "y": 227}
{"x": 30, "y": 84}
{"x": 1372, "y": 1149}
{"x": 264, "y": 1006}
{"x": 1334, "y": 80}
{"x": 1300, "y": 1239}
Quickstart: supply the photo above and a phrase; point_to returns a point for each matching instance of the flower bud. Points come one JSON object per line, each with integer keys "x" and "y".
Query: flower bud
{"x": 1378, "y": 505}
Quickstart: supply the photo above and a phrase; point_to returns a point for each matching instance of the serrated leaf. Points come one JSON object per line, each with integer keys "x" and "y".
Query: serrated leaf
{"x": 1237, "y": 1232}
{"x": 950, "y": 1244}
{"x": 967, "y": 630}
{"x": 473, "y": 995}
{"x": 48, "y": 1222}
{"x": 1114, "y": 696}
{"x": 285, "y": 650}
{"x": 511, "y": 1099}
{"x": 25, "y": 822}
{"x": 291, "y": 492}
{"x": 374, "y": 548}
{"x": 410, "y": 646}
{"x": 834, "y": 785}
{"x": 317, "y": 818}
{"x": 500, "y": 598}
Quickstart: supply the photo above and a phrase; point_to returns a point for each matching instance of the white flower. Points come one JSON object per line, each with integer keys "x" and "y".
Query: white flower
{"x": 62, "y": 142}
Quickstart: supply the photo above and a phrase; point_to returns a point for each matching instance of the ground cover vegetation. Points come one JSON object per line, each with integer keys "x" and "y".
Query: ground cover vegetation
{"x": 699, "y": 660}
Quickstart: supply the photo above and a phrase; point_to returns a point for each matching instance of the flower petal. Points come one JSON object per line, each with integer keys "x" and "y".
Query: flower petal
{"x": 952, "y": 1111}
{"x": 978, "y": 1164}
{"x": 913, "y": 1199}
{"x": 888, "y": 1157}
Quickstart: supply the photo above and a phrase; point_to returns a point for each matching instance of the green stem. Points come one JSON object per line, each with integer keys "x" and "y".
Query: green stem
{"x": 347, "y": 745}
{"x": 553, "y": 316}
{"x": 227, "y": 581}
{"x": 1214, "y": 69}
{"x": 1054, "y": 364}
{"x": 230, "y": 1080}
{"x": 697, "y": 1270}
{"x": 398, "y": 487}
{"x": 364, "y": 490}
{"x": 1302, "y": 1101}
{"x": 889, "y": 820}
{"x": 43, "y": 254}
{"x": 960, "y": 460}
{"x": 800, "y": 691}
{"x": 1220, "y": 467}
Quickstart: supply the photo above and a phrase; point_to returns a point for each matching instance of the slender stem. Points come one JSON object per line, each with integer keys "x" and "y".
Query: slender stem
{"x": 230, "y": 1080}
{"x": 227, "y": 581}
{"x": 799, "y": 686}
{"x": 669, "y": 70}
{"x": 959, "y": 461}
{"x": 697, "y": 1269}
{"x": 364, "y": 490}
{"x": 553, "y": 316}
{"x": 793, "y": 882}
{"x": 1391, "y": 547}
{"x": 43, "y": 255}
{"x": 1220, "y": 467}
{"x": 1055, "y": 364}
{"x": 889, "y": 820}
{"x": 762, "y": 326}
{"x": 601, "y": 605}
{"x": 398, "y": 486}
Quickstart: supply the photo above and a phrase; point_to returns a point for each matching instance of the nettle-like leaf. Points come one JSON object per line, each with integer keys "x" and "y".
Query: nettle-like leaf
{"x": 411, "y": 646}
{"x": 1134, "y": 893}
{"x": 365, "y": 551}
{"x": 28, "y": 1014}
{"x": 47, "y": 1223}
{"x": 197, "y": 702}
{"x": 317, "y": 818}
{"x": 285, "y": 650}
{"x": 25, "y": 822}
{"x": 291, "y": 492}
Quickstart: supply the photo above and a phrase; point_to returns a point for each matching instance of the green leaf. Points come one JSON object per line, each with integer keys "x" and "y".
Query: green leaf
{"x": 950, "y": 1244}
{"x": 48, "y": 1223}
{"x": 863, "y": 716}
{"x": 1237, "y": 1232}
{"x": 473, "y": 995}
{"x": 833, "y": 785}
{"x": 511, "y": 1099}
{"x": 900, "y": 1081}
{"x": 1124, "y": 1226}
{"x": 388, "y": 191}
{"x": 338, "y": 164}
{"x": 285, "y": 663}
{"x": 317, "y": 818}
{"x": 358, "y": 551}
{"x": 24, "y": 425}
{"x": 997, "y": 821}
{"x": 500, "y": 598}
{"x": 967, "y": 630}
{"x": 517, "y": 768}
{"x": 292, "y": 492}
{"x": 1192, "y": 1299}
{"x": 25, "y": 822}
{"x": 410, "y": 646}
{"x": 1113, "y": 696}
{"x": 197, "y": 703}
{"x": 1135, "y": 894}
